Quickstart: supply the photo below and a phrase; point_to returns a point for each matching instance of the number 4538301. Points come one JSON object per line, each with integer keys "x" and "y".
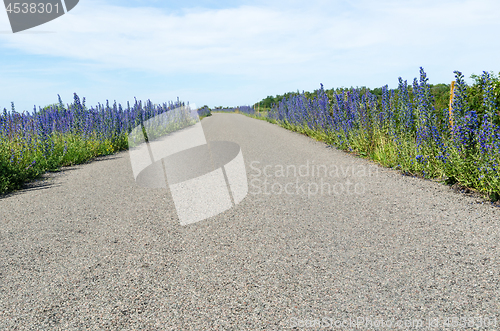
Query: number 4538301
{"x": 32, "y": 8}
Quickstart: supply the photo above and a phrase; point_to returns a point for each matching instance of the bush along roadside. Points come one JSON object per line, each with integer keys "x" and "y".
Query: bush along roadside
{"x": 204, "y": 112}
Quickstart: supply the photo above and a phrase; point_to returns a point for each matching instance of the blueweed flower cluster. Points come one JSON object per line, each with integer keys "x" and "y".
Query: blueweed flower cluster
{"x": 59, "y": 135}
{"x": 402, "y": 129}
{"x": 246, "y": 110}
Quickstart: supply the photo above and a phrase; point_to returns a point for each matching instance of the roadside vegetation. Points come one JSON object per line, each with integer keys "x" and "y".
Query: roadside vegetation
{"x": 63, "y": 135}
{"x": 414, "y": 128}
{"x": 418, "y": 128}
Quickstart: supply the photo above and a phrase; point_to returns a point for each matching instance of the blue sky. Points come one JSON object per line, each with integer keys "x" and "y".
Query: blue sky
{"x": 229, "y": 53}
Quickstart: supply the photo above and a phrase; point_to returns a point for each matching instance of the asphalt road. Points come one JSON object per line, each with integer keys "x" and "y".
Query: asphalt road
{"x": 88, "y": 249}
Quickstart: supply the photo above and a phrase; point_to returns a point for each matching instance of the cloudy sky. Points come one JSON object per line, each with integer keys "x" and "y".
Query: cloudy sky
{"x": 229, "y": 53}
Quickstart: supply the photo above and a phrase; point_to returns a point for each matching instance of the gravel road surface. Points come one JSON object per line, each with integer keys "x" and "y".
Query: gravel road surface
{"x": 322, "y": 236}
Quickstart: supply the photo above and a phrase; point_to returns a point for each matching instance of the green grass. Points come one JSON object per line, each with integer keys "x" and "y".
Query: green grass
{"x": 379, "y": 147}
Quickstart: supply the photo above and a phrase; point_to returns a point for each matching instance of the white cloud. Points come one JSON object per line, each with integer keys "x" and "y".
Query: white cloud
{"x": 230, "y": 41}
{"x": 273, "y": 48}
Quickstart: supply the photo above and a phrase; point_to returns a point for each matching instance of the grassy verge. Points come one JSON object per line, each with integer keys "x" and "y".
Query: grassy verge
{"x": 399, "y": 154}
{"x": 21, "y": 163}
